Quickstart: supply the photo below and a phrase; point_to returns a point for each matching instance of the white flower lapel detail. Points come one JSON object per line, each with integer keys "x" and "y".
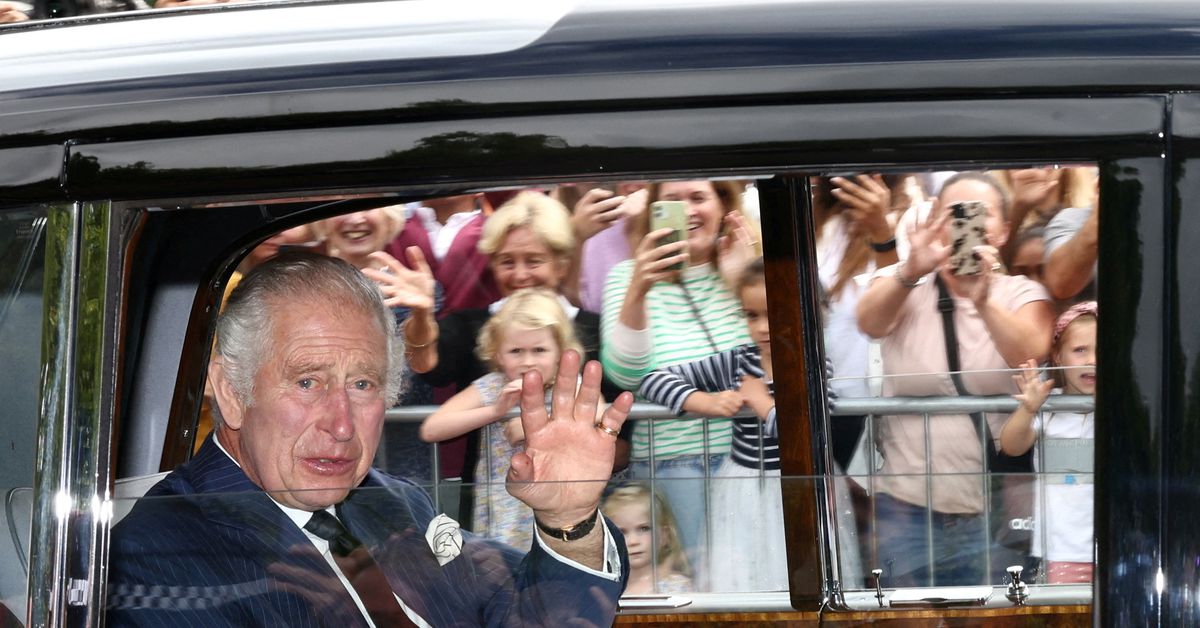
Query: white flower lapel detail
{"x": 445, "y": 538}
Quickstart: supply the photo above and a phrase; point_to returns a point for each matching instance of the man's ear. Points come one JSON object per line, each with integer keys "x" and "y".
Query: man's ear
{"x": 228, "y": 401}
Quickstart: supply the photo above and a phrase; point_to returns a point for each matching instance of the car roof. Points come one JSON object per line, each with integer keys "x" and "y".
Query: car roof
{"x": 255, "y": 67}
{"x": 315, "y": 44}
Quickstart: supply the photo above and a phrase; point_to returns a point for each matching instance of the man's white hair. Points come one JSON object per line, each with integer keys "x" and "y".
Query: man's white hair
{"x": 245, "y": 326}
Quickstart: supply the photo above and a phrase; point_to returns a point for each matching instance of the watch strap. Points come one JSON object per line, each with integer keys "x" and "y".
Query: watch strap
{"x": 885, "y": 246}
{"x": 571, "y": 532}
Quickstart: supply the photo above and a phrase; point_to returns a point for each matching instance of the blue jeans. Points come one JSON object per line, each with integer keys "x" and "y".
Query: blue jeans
{"x": 960, "y": 546}
{"x": 680, "y": 480}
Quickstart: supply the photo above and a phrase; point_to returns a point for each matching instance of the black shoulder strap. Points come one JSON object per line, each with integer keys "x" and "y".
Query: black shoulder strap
{"x": 945, "y": 305}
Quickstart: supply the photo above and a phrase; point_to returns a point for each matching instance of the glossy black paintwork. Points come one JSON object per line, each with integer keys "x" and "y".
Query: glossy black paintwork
{"x": 810, "y": 52}
{"x": 1133, "y": 393}
{"x": 608, "y": 144}
{"x": 31, "y": 173}
{"x": 1181, "y": 544}
{"x": 753, "y": 88}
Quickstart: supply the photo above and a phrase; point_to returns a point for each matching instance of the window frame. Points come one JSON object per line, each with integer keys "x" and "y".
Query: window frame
{"x": 1119, "y": 132}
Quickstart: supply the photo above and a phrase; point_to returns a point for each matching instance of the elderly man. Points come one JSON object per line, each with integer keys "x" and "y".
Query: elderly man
{"x": 280, "y": 520}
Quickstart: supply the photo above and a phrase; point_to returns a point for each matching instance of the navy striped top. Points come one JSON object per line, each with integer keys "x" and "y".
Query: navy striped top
{"x": 755, "y": 443}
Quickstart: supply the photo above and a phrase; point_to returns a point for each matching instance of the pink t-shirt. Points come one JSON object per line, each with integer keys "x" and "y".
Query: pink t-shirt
{"x": 916, "y": 346}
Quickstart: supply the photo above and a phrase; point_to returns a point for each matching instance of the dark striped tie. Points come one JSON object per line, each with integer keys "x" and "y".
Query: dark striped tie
{"x": 364, "y": 574}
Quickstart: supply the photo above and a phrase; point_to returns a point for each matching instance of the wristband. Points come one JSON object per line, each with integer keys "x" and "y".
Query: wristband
{"x": 884, "y": 247}
{"x": 571, "y": 532}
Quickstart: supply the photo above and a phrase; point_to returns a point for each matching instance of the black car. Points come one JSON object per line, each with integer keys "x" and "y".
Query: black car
{"x": 144, "y": 154}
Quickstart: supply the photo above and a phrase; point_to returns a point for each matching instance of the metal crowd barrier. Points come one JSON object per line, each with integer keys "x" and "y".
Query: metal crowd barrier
{"x": 926, "y": 407}
{"x": 871, "y": 408}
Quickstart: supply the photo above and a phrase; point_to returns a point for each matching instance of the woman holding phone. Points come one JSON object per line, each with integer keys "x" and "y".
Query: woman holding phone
{"x": 999, "y": 322}
{"x": 658, "y": 314}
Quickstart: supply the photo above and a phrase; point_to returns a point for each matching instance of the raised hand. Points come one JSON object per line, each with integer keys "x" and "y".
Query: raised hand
{"x": 569, "y": 449}
{"x": 867, "y": 200}
{"x": 403, "y": 286}
{"x": 596, "y": 211}
{"x": 652, "y": 262}
{"x": 1035, "y": 188}
{"x": 1033, "y": 390}
{"x": 926, "y": 250}
{"x": 736, "y": 249}
{"x": 978, "y": 287}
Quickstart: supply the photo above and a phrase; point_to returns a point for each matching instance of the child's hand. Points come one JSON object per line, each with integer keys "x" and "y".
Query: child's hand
{"x": 724, "y": 403}
{"x": 508, "y": 398}
{"x": 757, "y": 396}
{"x": 1034, "y": 391}
{"x": 514, "y": 433}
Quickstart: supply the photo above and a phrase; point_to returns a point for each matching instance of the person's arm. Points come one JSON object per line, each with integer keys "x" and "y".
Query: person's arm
{"x": 758, "y": 396}
{"x": 1018, "y": 435}
{"x": 737, "y": 249}
{"x": 705, "y": 386}
{"x": 455, "y": 359}
{"x": 1019, "y": 335}
{"x": 882, "y": 302}
{"x": 595, "y": 211}
{"x": 880, "y": 305}
{"x": 1022, "y": 334}
{"x": 567, "y": 460}
{"x": 1071, "y": 266}
{"x": 1037, "y": 195}
{"x": 413, "y": 288}
{"x": 868, "y": 201}
{"x": 626, "y": 353}
{"x": 465, "y": 412}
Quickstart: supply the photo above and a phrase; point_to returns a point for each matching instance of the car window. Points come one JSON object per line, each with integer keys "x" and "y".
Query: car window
{"x": 960, "y": 465}
{"x": 697, "y": 489}
{"x": 483, "y": 248}
{"x": 22, "y": 251}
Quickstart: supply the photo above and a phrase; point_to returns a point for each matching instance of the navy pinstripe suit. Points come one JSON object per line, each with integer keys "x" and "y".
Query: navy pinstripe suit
{"x": 206, "y": 547}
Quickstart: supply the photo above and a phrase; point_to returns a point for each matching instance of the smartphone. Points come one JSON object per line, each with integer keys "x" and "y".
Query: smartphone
{"x": 967, "y": 231}
{"x": 670, "y": 215}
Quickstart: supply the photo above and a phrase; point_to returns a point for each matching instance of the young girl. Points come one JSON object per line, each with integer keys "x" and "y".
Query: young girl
{"x": 746, "y": 522}
{"x": 649, "y": 536}
{"x": 1063, "y": 460}
{"x": 529, "y": 332}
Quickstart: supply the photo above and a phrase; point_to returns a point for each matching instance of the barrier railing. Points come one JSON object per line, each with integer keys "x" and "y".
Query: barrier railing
{"x": 871, "y": 408}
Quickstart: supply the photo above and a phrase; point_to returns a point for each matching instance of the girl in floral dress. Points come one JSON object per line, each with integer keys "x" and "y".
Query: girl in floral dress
{"x": 529, "y": 332}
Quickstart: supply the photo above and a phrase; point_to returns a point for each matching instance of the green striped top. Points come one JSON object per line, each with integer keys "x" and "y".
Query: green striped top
{"x": 677, "y": 337}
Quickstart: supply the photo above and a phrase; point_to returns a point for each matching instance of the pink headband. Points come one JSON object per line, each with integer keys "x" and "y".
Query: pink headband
{"x": 1087, "y": 308}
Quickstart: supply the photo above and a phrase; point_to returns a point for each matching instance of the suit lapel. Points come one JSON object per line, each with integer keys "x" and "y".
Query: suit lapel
{"x": 386, "y": 522}
{"x": 251, "y": 520}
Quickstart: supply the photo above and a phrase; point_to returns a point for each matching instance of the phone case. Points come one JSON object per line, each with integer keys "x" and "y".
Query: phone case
{"x": 673, "y": 215}
{"x": 967, "y": 231}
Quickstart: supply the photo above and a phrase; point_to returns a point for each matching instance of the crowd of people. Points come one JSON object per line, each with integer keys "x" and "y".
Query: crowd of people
{"x": 488, "y": 287}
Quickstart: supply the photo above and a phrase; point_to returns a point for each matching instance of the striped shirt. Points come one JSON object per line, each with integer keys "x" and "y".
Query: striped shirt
{"x": 675, "y": 336}
{"x": 753, "y": 442}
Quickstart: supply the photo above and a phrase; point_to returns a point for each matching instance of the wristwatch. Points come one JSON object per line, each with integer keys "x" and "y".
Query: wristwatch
{"x": 885, "y": 246}
{"x": 571, "y": 532}
{"x": 906, "y": 283}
